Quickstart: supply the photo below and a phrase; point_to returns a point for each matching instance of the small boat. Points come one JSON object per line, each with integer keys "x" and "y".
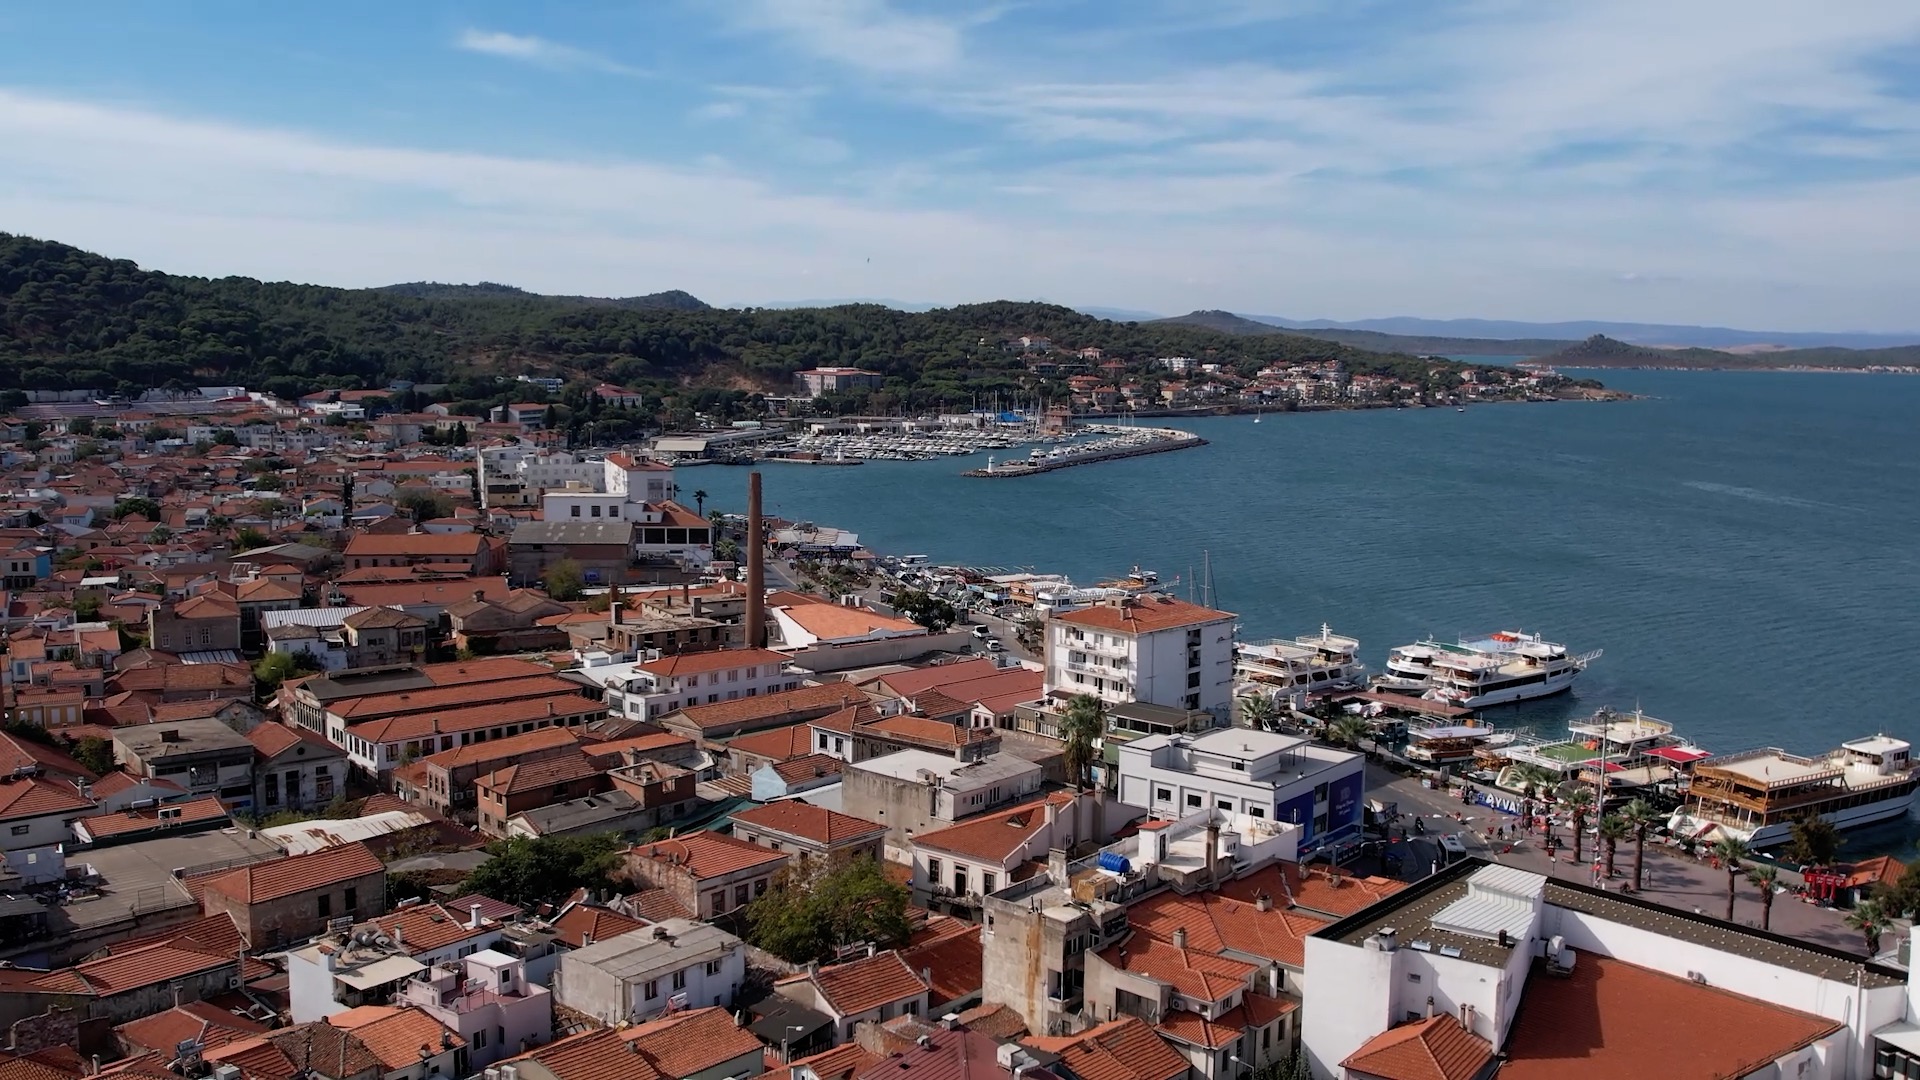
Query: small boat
{"x": 1256, "y": 418}
{"x": 1459, "y": 408}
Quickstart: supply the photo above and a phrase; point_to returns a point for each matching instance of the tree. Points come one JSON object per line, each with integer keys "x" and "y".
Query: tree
{"x": 159, "y": 534}
{"x": 80, "y": 425}
{"x": 277, "y": 667}
{"x": 87, "y": 607}
{"x": 1258, "y": 711}
{"x": 726, "y": 549}
{"x": 95, "y": 753}
{"x": 1613, "y": 829}
{"x": 1813, "y": 841}
{"x": 818, "y": 906}
{"x": 1765, "y": 878}
{"x": 1900, "y": 898}
{"x": 226, "y": 437}
{"x": 424, "y": 505}
{"x": 1730, "y": 850}
{"x": 535, "y": 871}
{"x": 565, "y": 580}
{"x": 1871, "y": 920}
{"x": 249, "y": 538}
{"x": 138, "y": 507}
{"x": 1347, "y": 731}
{"x": 700, "y": 503}
{"x": 1579, "y": 803}
{"x": 1083, "y": 721}
{"x": 925, "y": 608}
{"x": 1641, "y": 816}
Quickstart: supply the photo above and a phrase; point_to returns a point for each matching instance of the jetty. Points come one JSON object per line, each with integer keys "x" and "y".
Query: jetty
{"x": 1137, "y": 442}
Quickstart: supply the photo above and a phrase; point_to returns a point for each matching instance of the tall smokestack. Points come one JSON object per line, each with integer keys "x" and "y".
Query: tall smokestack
{"x": 755, "y": 634}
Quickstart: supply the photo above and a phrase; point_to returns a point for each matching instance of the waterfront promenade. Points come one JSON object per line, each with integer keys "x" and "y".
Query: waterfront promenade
{"x": 1673, "y": 880}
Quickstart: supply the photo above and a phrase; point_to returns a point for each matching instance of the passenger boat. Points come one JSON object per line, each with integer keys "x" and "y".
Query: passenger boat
{"x": 1757, "y": 795}
{"x": 1308, "y": 663}
{"x": 1452, "y": 744}
{"x": 1474, "y": 673}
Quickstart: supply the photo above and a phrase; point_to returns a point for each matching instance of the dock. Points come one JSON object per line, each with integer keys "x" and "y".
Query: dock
{"x": 1408, "y": 704}
{"x": 1034, "y": 468}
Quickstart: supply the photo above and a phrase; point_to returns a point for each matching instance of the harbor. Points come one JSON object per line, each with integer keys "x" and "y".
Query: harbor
{"x": 1128, "y": 442}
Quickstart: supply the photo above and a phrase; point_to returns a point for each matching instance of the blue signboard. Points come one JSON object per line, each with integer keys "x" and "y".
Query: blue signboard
{"x": 1298, "y": 811}
{"x": 1343, "y": 802}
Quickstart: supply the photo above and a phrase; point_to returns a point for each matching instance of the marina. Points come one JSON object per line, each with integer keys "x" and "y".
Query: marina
{"x": 1126, "y": 443}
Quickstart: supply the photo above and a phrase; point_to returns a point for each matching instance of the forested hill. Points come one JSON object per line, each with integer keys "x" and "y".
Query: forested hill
{"x": 1600, "y": 351}
{"x": 72, "y": 319}
{"x": 672, "y": 299}
{"x": 1374, "y": 341}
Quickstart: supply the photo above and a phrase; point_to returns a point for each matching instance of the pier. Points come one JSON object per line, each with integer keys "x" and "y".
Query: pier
{"x": 1163, "y": 440}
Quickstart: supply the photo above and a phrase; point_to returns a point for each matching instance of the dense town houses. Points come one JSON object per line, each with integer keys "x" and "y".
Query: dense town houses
{"x": 294, "y": 687}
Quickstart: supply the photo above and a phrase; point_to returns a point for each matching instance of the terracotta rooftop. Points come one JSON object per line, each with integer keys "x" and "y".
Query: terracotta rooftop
{"x": 834, "y": 622}
{"x": 1437, "y": 1048}
{"x": 414, "y": 544}
{"x": 1611, "y": 1019}
{"x": 1142, "y": 616}
{"x": 708, "y": 855}
{"x": 428, "y": 927}
{"x": 1218, "y": 923}
{"x": 1255, "y": 1011}
{"x": 656, "y": 905}
{"x": 396, "y": 1035}
{"x": 954, "y": 961}
{"x": 210, "y": 1024}
{"x": 809, "y": 822}
{"x": 1193, "y": 972}
{"x": 545, "y": 773}
{"x": 810, "y": 767}
{"x": 1123, "y": 1049}
{"x": 767, "y": 706}
{"x": 699, "y": 663}
{"x": 995, "y": 1019}
{"x": 294, "y": 874}
{"x": 130, "y": 820}
{"x": 994, "y": 837}
{"x": 33, "y": 796}
{"x": 681, "y": 1045}
{"x": 781, "y": 743}
{"x": 500, "y": 749}
{"x": 1341, "y": 895}
{"x": 861, "y": 985}
{"x": 582, "y": 924}
{"x": 838, "y": 1063}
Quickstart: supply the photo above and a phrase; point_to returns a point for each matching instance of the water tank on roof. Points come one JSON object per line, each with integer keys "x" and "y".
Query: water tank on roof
{"x": 1116, "y": 863}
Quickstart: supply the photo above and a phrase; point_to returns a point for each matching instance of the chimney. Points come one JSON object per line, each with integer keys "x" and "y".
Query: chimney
{"x": 479, "y": 594}
{"x": 613, "y": 605}
{"x": 1213, "y": 849}
{"x": 754, "y": 633}
{"x": 1263, "y": 902}
{"x": 473, "y": 916}
{"x": 686, "y": 595}
{"x": 1466, "y": 1022}
{"x": 1429, "y": 1006}
{"x": 399, "y": 943}
{"x": 1180, "y": 938}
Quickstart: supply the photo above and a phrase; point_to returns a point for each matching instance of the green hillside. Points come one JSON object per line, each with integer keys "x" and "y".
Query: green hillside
{"x": 1600, "y": 351}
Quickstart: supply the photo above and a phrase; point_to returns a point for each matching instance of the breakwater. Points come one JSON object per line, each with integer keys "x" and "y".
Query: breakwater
{"x": 1138, "y": 443}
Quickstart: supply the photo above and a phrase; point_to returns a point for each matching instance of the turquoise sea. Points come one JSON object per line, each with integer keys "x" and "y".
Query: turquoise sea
{"x": 1744, "y": 545}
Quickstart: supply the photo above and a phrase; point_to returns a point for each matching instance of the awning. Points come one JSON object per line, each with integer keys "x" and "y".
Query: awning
{"x": 1679, "y": 755}
{"x": 381, "y": 972}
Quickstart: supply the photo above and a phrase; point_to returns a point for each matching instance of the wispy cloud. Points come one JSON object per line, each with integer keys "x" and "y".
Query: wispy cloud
{"x": 868, "y": 35}
{"x": 539, "y": 51}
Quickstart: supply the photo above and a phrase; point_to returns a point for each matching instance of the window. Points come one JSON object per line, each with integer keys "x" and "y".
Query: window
{"x": 760, "y": 887}
{"x": 680, "y": 979}
{"x": 988, "y": 883}
{"x": 652, "y": 988}
{"x": 1161, "y": 794}
{"x": 613, "y": 511}
{"x": 323, "y": 786}
{"x": 326, "y": 905}
{"x": 353, "y": 898}
{"x": 1257, "y": 811}
{"x": 576, "y": 509}
{"x": 1226, "y": 804}
{"x": 273, "y": 789}
{"x": 1413, "y": 976}
{"x": 713, "y": 967}
{"x": 596, "y": 511}
{"x": 20, "y": 830}
{"x": 823, "y": 740}
{"x": 1193, "y": 680}
{"x": 739, "y": 895}
{"x": 1193, "y": 800}
{"x": 933, "y": 870}
{"x": 480, "y": 1039}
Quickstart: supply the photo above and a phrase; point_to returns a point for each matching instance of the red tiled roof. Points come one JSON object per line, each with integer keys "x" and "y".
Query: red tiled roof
{"x": 583, "y": 922}
{"x": 500, "y": 713}
{"x": 277, "y": 878}
{"x": 395, "y": 1035}
{"x": 1344, "y": 895}
{"x": 699, "y": 663}
{"x": 781, "y": 743}
{"x": 211, "y": 1025}
{"x": 861, "y": 985}
{"x": 490, "y": 909}
{"x": 668, "y": 1049}
{"x": 454, "y": 697}
{"x": 1255, "y": 1011}
{"x": 838, "y": 1063}
{"x": 149, "y": 965}
{"x": 815, "y": 823}
{"x": 35, "y": 796}
{"x": 427, "y": 927}
{"x": 414, "y": 544}
{"x": 954, "y": 962}
{"x": 496, "y": 749}
{"x": 657, "y": 905}
{"x": 708, "y": 855}
{"x": 1123, "y": 1049}
{"x": 746, "y": 710}
{"x": 272, "y": 740}
{"x": 1197, "y": 974}
{"x": 122, "y": 822}
{"x": 1143, "y": 616}
{"x": 810, "y": 767}
{"x": 1611, "y": 1019}
{"x": 993, "y": 837}
{"x": 1875, "y": 871}
{"x": 994, "y": 1019}
{"x": 1437, "y": 1048}
{"x": 545, "y": 773}
{"x": 1218, "y": 923}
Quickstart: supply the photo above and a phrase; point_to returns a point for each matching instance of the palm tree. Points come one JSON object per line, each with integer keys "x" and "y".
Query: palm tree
{"x": 1083, "y": 721}
{"x": 1579, "y": 802}
{"x": 1613, "y": 829}
{"x": 1813, "y": 841}
{"x": 1641, "y": 816}
{"x": 700, "y": 503}
{"x": 1257, "y": 710}
{"x": 1871, "y": 920}
{"x": 1730, "y": 850}
{"x": 1347, "y": 731}
{"x": 1764, "y": 878}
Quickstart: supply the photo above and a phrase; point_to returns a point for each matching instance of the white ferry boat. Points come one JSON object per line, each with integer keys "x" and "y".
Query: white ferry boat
{"x": 1453, "y": 744}
{"x": 1758, "y": 794}
{"x": 1308, "y": 663}
{"x": 1474, "y": 673}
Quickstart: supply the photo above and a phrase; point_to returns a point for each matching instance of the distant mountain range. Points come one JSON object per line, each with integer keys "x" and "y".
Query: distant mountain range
{"x": 1716, "y": 337}
{"x": 1600, "y": 351}
{"x": 671, "y": 300}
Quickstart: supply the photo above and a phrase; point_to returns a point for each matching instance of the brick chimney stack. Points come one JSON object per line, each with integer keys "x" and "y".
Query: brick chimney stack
{"x": 754, "y": 634}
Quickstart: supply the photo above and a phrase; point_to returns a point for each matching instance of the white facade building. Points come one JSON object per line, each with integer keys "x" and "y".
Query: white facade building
{"x": 488, "y": 1000}
{"x": 1150, "y": 648}
{"x": 1260, "y": 774}
{"x": 675, "y": 964}
{"x": 519, "y": 475}
{"x": 333, "y": 975}
{"x": 653, "y": 688}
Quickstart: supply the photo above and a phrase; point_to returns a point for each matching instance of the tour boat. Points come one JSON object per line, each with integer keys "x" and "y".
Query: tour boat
{"x": 1757, "y": 795}
{"x": 1452, "y": 744}
{"x": 1307, "y": 663}
{"x": 1474, "y": 673}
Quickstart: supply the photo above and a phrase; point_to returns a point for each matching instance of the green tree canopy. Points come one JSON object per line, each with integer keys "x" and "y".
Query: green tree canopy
{"x": 821, "y": 905}
{"x": 140, "y": 507}
{"x": 277, "y": 667}
{"x": 95, "y": 753}
{"x": 565, "y": 581}
{"x": 926, "y": 609}
{"x": 534, "y": 871}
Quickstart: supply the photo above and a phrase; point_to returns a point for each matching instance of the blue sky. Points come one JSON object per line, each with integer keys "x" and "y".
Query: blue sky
{"x": 1751, "y": 163}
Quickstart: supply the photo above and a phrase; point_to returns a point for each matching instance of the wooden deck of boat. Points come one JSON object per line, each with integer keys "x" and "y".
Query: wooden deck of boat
{"x": 1409, "y": 704}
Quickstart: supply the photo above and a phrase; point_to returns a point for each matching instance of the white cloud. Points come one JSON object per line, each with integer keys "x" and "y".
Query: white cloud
{"x": 868, "y": 35}
{"x": 539, "y": 51}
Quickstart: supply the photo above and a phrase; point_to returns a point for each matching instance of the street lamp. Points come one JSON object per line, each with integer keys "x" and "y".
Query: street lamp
{"x": 785, "y": 1054}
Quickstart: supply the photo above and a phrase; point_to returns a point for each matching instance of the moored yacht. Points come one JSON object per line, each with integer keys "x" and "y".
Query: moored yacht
{"x": 1757, "y": 795}
{"x": 1494, "y": 670}
{"x": 1308, "y": 663}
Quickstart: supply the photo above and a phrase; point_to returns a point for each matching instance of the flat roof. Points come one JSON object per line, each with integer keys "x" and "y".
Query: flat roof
{"x": 907, "y": 764}
{"x": 139, "y": 875}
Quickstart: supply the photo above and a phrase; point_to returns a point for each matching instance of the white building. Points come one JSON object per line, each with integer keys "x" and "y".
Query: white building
{"x": 1149, "y": 648}
{"x": 367, "y": 963}
{"x": 488, "y": 1001}
{"x": 653, "y": 688}
{"x": 519, "y": 476}
{"x": 1261, "y": 774}
{"x": 1451, "y": 962}
{"x": 578, "y": 502}
{"x": 675, "y": 964}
